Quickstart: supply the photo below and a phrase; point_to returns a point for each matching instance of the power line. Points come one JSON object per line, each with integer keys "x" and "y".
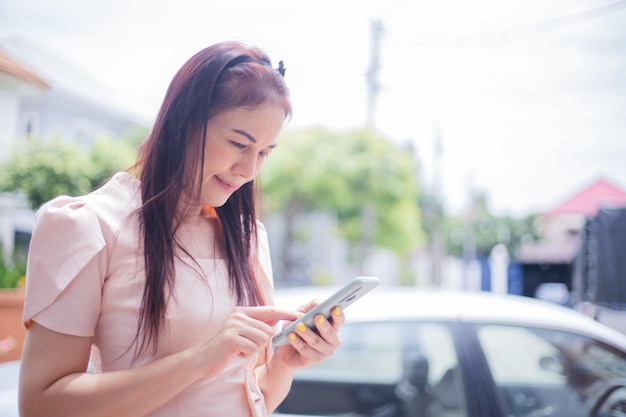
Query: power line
{"x": 528, "y": 30}
{"x": 565, "y": 21}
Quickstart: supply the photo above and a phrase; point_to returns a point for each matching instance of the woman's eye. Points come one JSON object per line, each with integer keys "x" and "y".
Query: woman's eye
{"x": 238, "y": 145}
{"x": 264, "y": 155}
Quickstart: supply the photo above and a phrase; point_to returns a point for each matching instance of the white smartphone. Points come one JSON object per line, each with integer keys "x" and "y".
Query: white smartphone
{"x": 345, "y": 296}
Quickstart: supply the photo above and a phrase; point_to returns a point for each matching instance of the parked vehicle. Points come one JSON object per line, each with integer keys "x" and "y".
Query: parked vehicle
{"x": 9, "y": 372}
{"x": 415, "y": 353}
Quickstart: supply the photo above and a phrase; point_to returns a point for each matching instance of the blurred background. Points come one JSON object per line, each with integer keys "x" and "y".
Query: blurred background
{"x": 465, "y": 145}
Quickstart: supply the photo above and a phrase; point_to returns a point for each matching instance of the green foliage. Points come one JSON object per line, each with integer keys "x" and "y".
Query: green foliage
{"x": 44, "y": 169}
{"x": 108, "y": 156}
{"x": 479, "y": 230}
{"x": 12, "y": 269}
{"x": 316, "y": 169}
{"x": 136, "y": 136}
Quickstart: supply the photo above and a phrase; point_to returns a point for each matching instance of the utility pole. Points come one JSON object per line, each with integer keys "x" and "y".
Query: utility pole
{"x": 373, "y": 85}
{"x": 368, "y": 213}
{"x": 439, "y": 241}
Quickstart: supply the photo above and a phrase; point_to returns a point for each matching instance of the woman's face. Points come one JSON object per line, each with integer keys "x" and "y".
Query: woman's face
{"x": 237, "y": 143}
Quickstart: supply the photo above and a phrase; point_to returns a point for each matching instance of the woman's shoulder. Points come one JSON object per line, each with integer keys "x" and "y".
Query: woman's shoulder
{"x": 121, "y": 193}
{"x": 71, "y": 243}
{"x": 111, "y": 204}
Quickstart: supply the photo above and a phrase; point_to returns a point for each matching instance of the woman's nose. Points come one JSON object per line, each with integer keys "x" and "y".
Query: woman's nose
{"x": 246, "y": 166}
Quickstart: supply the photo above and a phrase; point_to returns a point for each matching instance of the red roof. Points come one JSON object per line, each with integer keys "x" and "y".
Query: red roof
{"x": 598, "y": 195}
{"x": 12, "y": 67}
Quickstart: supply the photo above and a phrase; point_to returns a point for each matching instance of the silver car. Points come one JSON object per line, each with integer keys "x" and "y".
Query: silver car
{"x": 9, "y": 372}
{"x": 420, "y": 353}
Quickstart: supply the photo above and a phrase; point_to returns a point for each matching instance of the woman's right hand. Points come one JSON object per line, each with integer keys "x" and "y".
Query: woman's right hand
{"x": 245, "y": 332}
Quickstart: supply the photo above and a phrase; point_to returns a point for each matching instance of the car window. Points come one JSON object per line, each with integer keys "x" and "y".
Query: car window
{"x": 377, "y": 351}
{"x": 547, "y": 372}
{"x": 419, "y": 359}
{"x": 514, "y": 355}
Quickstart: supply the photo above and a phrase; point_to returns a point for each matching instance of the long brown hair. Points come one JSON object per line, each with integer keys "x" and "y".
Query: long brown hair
{"x": 219, "y": 78}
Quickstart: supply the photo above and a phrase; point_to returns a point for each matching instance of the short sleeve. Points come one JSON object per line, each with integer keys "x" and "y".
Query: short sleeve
{"x": 66, "y": 268}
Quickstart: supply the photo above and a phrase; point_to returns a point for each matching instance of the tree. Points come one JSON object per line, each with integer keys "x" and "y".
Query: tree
{"x": 368, "y": 181}
{"x": 44, "y": 169}
{"x": 477, "y": 231}
{"x": 109, "y": 156}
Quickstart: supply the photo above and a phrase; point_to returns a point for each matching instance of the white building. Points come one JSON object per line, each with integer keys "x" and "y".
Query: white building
{"x": 43, "y": 95}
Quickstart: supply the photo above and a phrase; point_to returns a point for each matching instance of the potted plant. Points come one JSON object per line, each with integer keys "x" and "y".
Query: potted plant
{"x": 12, "y": 280}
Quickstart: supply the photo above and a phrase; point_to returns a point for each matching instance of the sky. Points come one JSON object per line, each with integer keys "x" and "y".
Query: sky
{"x": 522, "y": 100}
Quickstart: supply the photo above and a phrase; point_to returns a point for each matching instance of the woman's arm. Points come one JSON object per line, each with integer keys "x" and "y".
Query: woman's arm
{"x": 54, "y": 381}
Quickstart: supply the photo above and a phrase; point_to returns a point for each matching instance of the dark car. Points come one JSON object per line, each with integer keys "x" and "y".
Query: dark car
{"x": 417, "y": 353}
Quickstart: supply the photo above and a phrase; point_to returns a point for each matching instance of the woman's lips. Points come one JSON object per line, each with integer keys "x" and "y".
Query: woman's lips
{"x": 228, "y": 187}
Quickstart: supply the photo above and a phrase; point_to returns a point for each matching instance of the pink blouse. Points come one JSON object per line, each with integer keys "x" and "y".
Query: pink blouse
{"x": 85, "y": 277}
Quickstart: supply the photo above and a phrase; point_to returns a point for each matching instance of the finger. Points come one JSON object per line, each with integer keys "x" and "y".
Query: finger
{"x": 308, "y": 306}
{"x": 245, "y": 336}
{"x": 270, "y": 314}
{"x": 288, "y": 322}
{"x": 257, "y": 337}
{"x": 327, "y": 330}
{"x": 337, "y": 318}
{"x": 308, "y": 353}
{"x": 314, "y": 341}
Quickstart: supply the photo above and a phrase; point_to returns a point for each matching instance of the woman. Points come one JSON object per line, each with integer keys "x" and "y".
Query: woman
{"x": 162, "y": 283}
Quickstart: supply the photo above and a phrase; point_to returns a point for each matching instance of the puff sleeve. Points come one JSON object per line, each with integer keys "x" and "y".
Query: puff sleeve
{"x": 66, "y": 268}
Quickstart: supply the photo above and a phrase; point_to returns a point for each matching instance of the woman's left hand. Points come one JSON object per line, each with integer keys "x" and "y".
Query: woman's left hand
{"x": 308, "y": 347}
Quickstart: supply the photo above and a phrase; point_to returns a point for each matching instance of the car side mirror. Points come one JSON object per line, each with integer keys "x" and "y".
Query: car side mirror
{"x": 552, "y": 364}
